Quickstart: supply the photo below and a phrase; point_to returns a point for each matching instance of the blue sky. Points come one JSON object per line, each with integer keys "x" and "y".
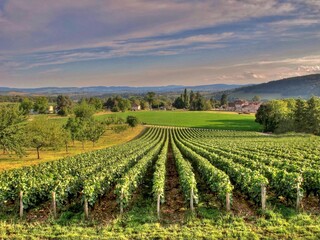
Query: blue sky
{"x": 152, "y": 42}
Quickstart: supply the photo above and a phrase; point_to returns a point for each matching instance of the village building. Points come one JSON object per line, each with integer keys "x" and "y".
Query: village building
{"x": 135, "y": 107}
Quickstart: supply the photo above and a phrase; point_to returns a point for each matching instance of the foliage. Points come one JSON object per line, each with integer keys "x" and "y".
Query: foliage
{"x": 26, "y": 106}
{"x": 84, "y": 111}
{"x": 43, "y": 132}
{"x": 159, "y": 175}
{"x": 224, "y": 99}
{"x": 41, "y": 105}
{"x": 64, "y": 105}
{"x": 217, "y": 180}
{"x": 12, "y": 133}
{"x": 290, "y": 115}
{"x": 186, "y": 175}
{"x": 97, "y": 103}
{"x": 132, "y": 121}
{"x": 94, "y": 130}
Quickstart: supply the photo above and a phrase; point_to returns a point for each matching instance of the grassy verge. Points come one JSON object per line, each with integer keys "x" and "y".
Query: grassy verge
{"x": 140, "y": 223}
{"x": 110, "y": 138}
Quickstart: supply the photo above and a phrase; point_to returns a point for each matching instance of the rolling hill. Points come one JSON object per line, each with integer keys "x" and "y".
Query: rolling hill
{"x": 302, "y": 86}
{"x": 103, "y": 90}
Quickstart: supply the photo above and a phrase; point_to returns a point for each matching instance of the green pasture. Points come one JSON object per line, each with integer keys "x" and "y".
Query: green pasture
{"x": 212, "y": 120}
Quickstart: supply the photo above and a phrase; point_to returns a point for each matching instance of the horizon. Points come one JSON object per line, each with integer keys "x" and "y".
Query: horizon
{"x": 137, "y": 43}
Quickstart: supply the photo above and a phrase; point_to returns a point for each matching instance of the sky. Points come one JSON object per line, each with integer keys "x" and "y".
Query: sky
{"x": 64, "y": 43}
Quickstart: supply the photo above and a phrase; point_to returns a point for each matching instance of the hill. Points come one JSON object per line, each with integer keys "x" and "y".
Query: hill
{"x": 302, "y": 86}
{"x": 103, "y": 90}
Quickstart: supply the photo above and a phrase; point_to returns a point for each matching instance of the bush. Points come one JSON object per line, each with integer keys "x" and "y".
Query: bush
{"x": 132, "y": 121}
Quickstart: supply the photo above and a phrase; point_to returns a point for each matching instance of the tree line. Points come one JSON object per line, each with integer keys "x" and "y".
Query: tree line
{"x": 18, "y": 132}
{"x": 194, "y": 101}
{"x": 289, "y": 115}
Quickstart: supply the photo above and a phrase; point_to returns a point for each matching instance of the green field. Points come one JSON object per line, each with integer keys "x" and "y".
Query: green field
{"x": 211, "y": 120}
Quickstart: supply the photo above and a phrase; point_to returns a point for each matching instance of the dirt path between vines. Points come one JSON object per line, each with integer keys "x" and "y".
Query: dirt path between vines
{"x": 173, "y": 210}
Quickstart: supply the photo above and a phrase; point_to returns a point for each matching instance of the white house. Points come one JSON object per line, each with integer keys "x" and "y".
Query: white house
{"x": 135, "y": 107}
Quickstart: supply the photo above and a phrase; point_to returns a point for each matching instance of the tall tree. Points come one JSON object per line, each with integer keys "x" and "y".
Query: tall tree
{"x": 313, "y": 115}
{"x": 300, "y": 116}
{"x": 186, "y": 99}
{"x": 96, "y": 103}
{"x": 43, "y": 133}
{"x": 12, "y": 129}
{"x": 94, "y": 130}
{"x": 150, "y": 98}
{"x": 224, "y": 99}
{"x": 64, "y": 105}
{"x": 84, "y": 111}
{"x": 41, "y": 105}
{"x": 26, "y": 106}
{"x": 191, "y": 99}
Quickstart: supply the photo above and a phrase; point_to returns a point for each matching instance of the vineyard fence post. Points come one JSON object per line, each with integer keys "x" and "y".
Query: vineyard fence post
{"x": 21, "y": 204}
{"x": 298, "y": 196}
{"x": 121, "y": 202}
{"x": 263, "y": 197}
{"x": 54, "y": 204}
{"x": 228, "y": 202}
{"x": 191, "y": 200}
{"x": 86, "y": 208}
{"x": 158, "y": 206}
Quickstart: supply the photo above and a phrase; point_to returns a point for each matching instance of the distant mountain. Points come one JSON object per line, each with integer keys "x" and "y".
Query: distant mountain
{"x": 302, "y": 86}
{"x": 102, "y": 90}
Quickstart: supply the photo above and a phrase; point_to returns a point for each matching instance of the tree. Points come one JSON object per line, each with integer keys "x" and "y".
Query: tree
{"x": 186, "y": 98}
{"x": 41, "y": 105}
{"x": 26, "y": 106}
{"x": 94, "y": 130}
{"x": 224, "y": 99}
{"x": 191, "y": 99}
{"x": 144, "y": 105}
{"x": 43, "y": 133}
{"x": 256, "y": 98}
{"x": 72, "y": 127}
{"x": 150, "y": 98}
{"x": 178, "y": 103}
{"x": 124, "y": 104}
{"x": 300, "y": 113}
{"x": 12, "y": 129}
{"x": 64, "y": 105}
{"x": 84, "y": 111}
{"x": 109, "y": 104}
{"x": 313, "y": 115}
{"x": 96, "y": 103}
{"x": 132, "y": 121}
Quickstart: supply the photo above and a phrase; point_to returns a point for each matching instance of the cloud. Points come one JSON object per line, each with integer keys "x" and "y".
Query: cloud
{"x": 107, "y": 50}
{"x": 34, "y": 25}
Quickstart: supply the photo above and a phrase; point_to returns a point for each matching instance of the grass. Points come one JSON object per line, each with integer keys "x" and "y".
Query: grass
{"x": 212, "y": 119}
{"x": 110, "y": 138}
{"x": 140, "y": 222}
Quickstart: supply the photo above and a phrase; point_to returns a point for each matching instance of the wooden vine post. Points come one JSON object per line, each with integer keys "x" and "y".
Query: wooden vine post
{"x": 228, "y": 207}
{"x": 263, "y": 197}
{"x": 158, "y": 206}
{"x": 121, "y": 202}
{"x": 191, "y": 200}
{"x": 298, "y": 204}
{"x": 54, "y": 204}
{"x": 86, "y": 208}
{"x": 21, "y": 204}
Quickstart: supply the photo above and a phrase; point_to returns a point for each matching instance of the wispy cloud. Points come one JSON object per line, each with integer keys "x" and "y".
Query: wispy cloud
{"x": 107, "y": 50}
{"x": 181, "y": 41}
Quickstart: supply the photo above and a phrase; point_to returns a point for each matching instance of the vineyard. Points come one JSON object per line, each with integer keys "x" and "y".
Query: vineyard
{"x": 258, "y": 166}
{"x": 262, "y": 170}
